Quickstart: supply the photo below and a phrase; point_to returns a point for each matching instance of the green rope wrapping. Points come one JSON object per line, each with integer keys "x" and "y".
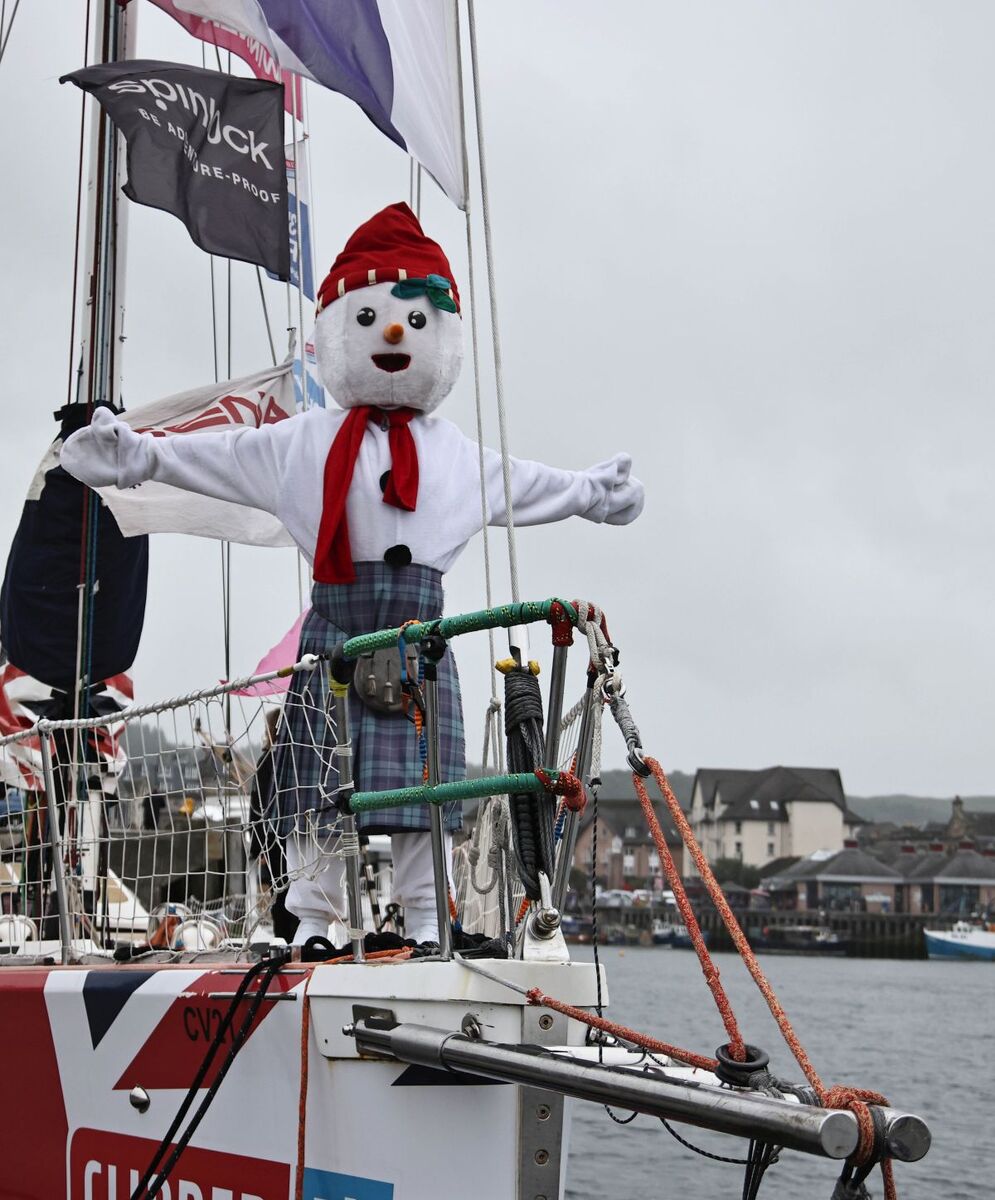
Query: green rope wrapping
{"x": 441, "y": 793}
{"x": 524, "y": 613}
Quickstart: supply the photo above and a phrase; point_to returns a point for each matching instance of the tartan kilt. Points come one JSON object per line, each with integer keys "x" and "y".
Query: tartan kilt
{"x": 385, "y": 749}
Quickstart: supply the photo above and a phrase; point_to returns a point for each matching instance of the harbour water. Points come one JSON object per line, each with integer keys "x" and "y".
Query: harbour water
{"x": 921, "y": 1032}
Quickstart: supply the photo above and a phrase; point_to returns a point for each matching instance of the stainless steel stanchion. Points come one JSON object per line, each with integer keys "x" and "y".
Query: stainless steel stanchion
{"x": 343, "y": 757}
{"x": 434, "y": 650}
{"x": 555, "y": 710}
{"x": 55, "y": 840}
{"x": 571, "y": 826}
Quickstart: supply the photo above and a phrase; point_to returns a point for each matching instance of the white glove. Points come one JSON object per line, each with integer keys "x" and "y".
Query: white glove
{"x": 107, "y": 452}
{"x": 626, "y": 494}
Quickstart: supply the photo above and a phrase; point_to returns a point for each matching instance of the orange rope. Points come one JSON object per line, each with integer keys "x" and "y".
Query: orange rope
{"x": 419, "y": 722}
{"x": 855, "y": 1099}
{"x": 535, "y": 996}
{"x": 302, "y": 1101}
{"x": 372, "y": 956}
{"x": 737, "y": 1047}
{"x": 566, "y": 785}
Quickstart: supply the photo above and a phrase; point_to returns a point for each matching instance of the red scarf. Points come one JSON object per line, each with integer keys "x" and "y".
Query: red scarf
{"x": 333, "y": 555}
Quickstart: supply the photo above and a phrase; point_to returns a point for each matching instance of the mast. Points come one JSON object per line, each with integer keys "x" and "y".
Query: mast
{"x": 101, "y": 295}
{"x": 100, "y": 317}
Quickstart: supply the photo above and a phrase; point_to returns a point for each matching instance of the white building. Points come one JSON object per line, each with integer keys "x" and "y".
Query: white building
{"x": 757, "y": 816}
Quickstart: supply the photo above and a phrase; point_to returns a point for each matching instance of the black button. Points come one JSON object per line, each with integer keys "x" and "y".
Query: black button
{"x": 397, "y": 556}
{"x": 383, "y": 480}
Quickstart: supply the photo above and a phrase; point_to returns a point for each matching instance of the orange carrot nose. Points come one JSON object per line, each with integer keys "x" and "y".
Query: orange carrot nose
{"x": 393, "y": 333}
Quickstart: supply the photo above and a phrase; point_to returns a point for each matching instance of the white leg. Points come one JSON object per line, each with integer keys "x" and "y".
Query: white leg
{"x": 414, "y": 882}
{"x": 316, "y": 895}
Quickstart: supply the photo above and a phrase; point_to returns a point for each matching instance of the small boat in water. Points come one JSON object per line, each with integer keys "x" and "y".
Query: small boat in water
{"x": 963, "y": 941}
{"x": 681, "y": 939}
{"x": 662, "y": 932}
{"x": 799, "y": 939}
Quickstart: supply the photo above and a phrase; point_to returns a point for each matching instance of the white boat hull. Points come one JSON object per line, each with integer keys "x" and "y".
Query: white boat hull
{"x": 298, "y": 1102}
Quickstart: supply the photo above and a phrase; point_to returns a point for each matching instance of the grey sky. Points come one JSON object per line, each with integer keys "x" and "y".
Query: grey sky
{"x": 752, "y": 243}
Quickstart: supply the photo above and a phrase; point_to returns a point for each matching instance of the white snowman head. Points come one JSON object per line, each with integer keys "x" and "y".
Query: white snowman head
{"x": 388, "y": 331}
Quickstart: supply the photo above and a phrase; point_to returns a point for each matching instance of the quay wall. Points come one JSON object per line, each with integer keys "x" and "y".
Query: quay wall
{"x": 870, "y": 935}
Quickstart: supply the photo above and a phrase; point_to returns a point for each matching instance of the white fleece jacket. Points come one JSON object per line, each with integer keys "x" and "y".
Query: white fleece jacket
{"x": 280, "y": 468}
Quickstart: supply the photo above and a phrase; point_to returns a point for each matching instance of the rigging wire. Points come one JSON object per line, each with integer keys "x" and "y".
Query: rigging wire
{"x": 305, "y": 389}
{"x": 262, "y": 300}
{"x": 10, "y": 26}
{"x": 79, "y": 213}
{"x": 226, "y": 545}
{"x": 475, "y": 355}
{"x": 495, "y": 337}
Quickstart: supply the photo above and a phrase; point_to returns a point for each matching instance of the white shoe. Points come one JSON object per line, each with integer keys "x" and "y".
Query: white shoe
{"x": 421, "y": 923}
{"x": 310, "y": 927}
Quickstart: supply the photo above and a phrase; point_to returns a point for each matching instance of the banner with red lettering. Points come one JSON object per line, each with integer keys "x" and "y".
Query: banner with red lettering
{"x": 254, "y": 400}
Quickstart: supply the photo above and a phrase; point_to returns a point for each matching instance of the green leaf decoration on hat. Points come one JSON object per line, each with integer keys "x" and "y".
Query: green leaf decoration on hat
{"x": 435, "y": 287}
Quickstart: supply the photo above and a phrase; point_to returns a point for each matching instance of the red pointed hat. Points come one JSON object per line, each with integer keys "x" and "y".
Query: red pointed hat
{"x": 391, "y": 247}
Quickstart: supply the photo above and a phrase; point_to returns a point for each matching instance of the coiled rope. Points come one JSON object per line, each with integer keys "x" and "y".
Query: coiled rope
{"x": 532, "y": 818}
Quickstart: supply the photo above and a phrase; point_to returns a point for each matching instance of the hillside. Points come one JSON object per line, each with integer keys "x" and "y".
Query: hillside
{"x": 914, "y": 810}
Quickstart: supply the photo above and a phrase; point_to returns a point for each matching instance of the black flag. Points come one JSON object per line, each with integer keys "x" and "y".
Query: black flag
{"x": 206, "y": 147}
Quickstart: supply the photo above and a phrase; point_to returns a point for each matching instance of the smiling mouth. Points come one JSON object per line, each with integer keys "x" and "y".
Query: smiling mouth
{"x": 391, "y": 362}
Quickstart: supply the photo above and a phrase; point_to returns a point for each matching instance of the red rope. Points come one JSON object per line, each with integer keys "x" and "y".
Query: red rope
{"x": 737, "y": 1047}
{"x": 370, "y": 956}
{"x": 854, "y": 1099}
{"x": 302, "y": 1098}
{"x": 535, "y": 996}
{"x": 566, "y": 785}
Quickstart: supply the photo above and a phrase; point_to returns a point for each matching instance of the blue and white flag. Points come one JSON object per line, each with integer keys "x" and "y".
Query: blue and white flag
{"x": 397, "y": 59}
{"x": 315, "y": 391}
{"x": 299, "y": 204}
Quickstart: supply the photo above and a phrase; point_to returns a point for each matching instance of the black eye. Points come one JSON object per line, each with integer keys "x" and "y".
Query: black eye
{"x": 366, "y": 316}
{"x": 416, "y": 319}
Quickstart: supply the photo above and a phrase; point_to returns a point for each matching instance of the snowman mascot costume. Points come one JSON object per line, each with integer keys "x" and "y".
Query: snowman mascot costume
{"x": 381, "y": 497}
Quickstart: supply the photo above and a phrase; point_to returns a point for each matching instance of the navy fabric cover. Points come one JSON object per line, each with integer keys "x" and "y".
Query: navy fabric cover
{"x": 39, "y": 601}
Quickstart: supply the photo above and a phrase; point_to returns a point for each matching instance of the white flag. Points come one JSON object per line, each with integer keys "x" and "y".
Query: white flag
{"x": 396, "y": 59}
{"x": 151, "y": 507}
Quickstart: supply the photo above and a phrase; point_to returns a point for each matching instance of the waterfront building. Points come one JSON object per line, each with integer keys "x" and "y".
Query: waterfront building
{"x": 759, "y": 816}
{"x": 627, "y": 857}
{"x": 935, "y": 881}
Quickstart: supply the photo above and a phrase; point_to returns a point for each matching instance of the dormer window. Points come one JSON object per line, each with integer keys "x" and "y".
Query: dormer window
{"x": 755, "y": 804}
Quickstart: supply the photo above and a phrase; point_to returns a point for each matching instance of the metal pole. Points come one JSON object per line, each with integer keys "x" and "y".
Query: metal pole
{"x": 55, "y": 840}
{"x": 343, "y": 757}
{"x": 827, "y": 1132}
{"x": 555, "y": 710}
{"x": 437, "y": 834}
{"x": 571, "y": 826}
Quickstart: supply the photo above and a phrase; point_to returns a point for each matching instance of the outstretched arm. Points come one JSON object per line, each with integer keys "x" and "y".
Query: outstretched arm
{"x": 542, "y": 494}
{"x": 243, "y": 465}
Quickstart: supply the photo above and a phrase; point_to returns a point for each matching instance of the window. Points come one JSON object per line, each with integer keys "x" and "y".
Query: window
{"x": 770, "y": 849}
{"x": 770, "y": 828}
{"x": 775, "y": 806}
{"x": 755, "y": 805}
{"x": 739, "y": 826}
{"x": 959, "y": 899}
{"x": 630, "y": 832}
{"x": 629, "y": 864}
{"x": 654, "y": 861}
{"x": 739, "y": 849}
{"x": 617, "y": 845}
